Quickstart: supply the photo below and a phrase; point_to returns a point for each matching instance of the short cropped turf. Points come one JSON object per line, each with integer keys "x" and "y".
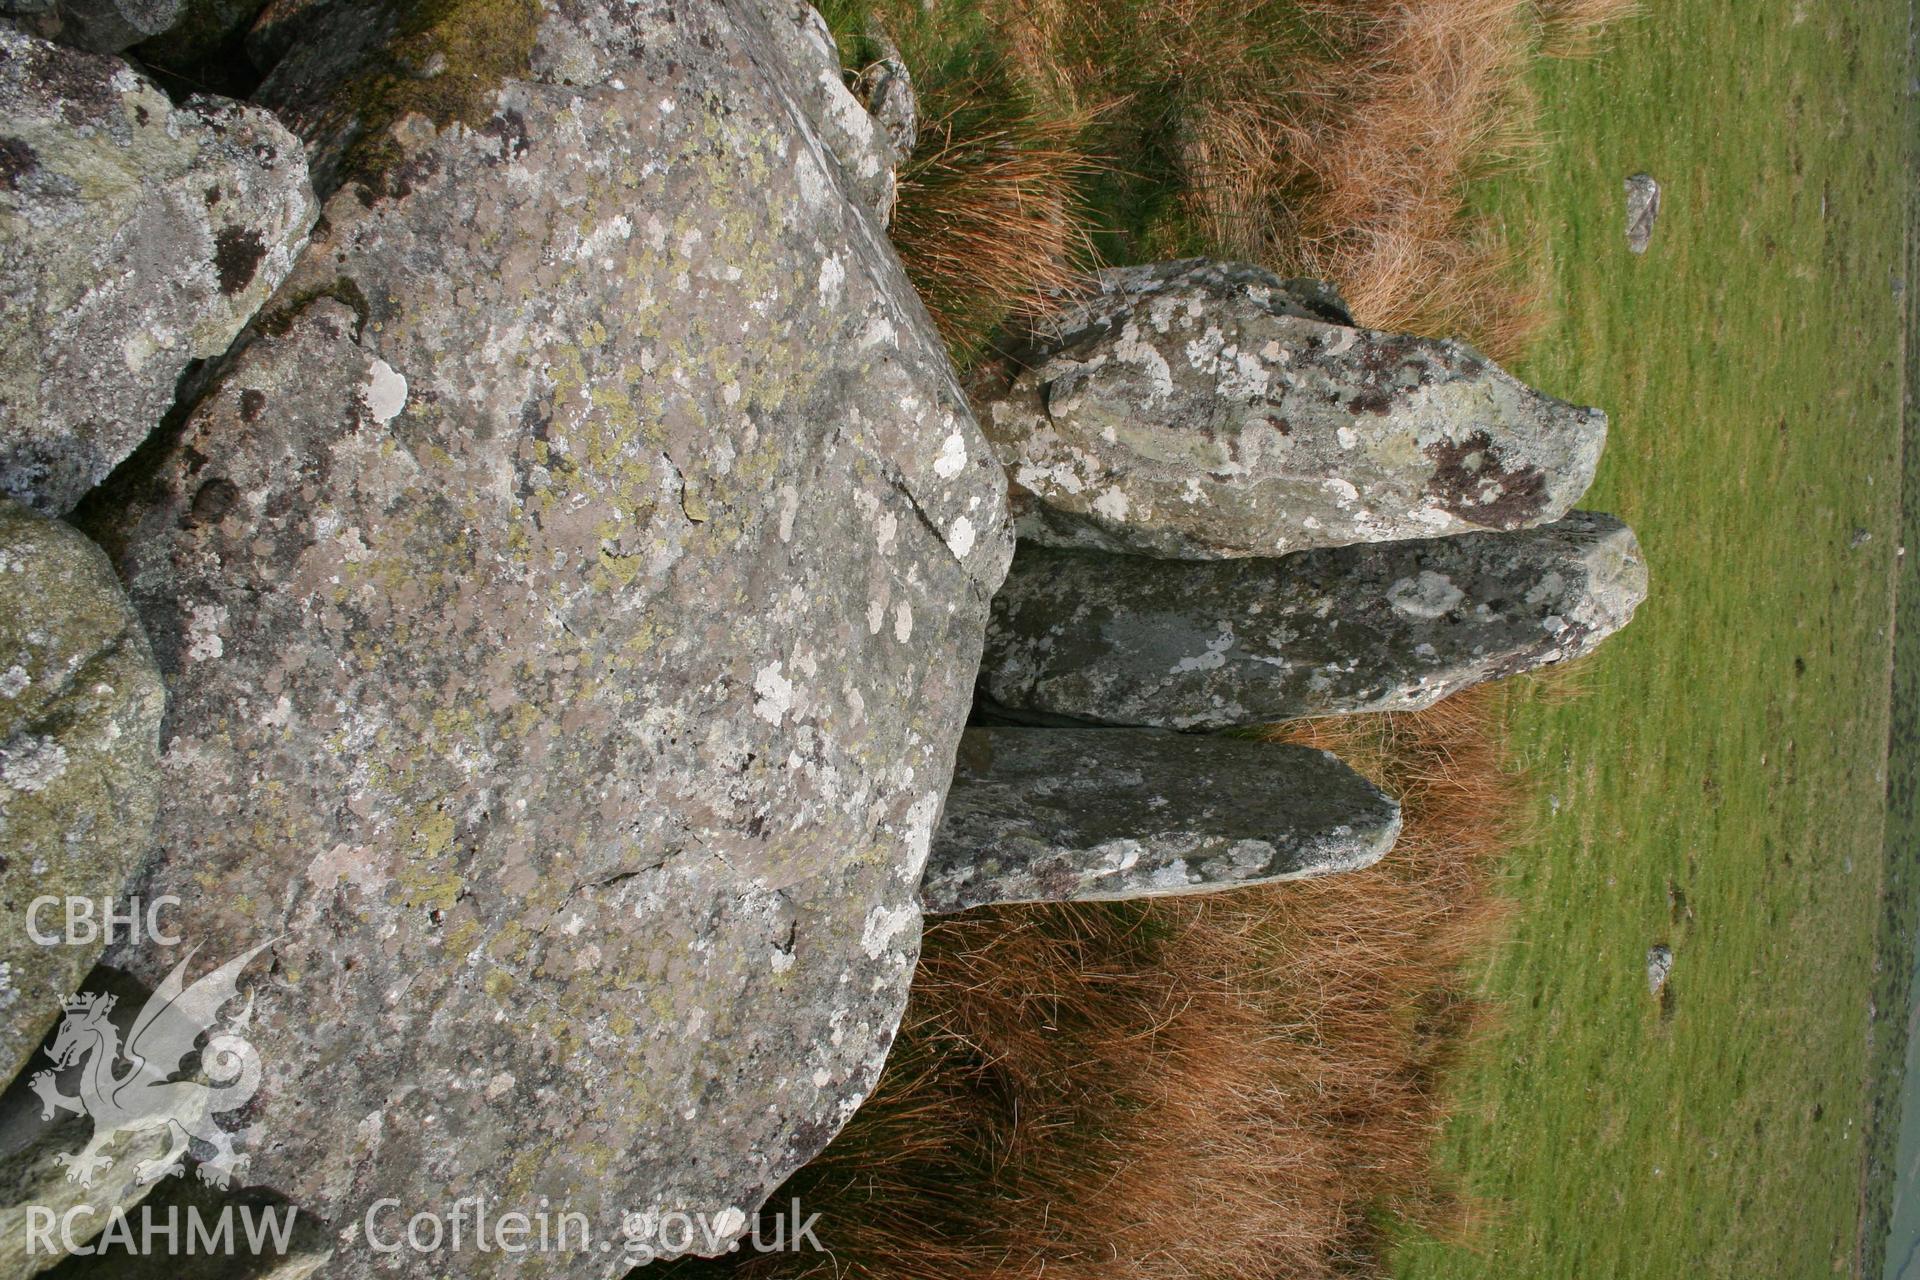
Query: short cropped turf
{"x": 1719, "y": 787}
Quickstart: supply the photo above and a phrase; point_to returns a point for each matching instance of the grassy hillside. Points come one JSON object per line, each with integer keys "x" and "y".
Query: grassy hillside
{"x": 1719, "y": 787}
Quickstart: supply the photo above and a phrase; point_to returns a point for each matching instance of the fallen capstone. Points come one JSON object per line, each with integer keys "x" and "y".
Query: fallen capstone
{"x": 1124, "y": 640}
{"x": 80, "y": 708}
{"x": 1097, "y": 815}
{"x": 135, "y": 238}
{"x": 1199, "y": 410}
{"x": 571, "y": 601}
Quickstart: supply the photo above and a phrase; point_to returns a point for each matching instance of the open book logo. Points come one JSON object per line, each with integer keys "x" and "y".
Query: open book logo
{"x": 128, "y": 1088}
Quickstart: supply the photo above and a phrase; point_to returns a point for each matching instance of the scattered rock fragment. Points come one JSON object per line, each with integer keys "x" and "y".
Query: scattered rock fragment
{"x": 1643, "y": 210}
{"x": 1086, "y": 815}
{"x": 1196, "y": 410}
{"x": 1125, "y": 640}
{"x": 135, "y": 238}
{"x": 80, "y": 707}
{"x": 1659, "y": 967}
{"x": 886, "y": 86}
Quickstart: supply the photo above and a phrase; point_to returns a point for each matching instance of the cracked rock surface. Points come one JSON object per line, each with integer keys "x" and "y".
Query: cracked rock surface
{"x": 1125, "y": 640}
{"x": 1083, "y": 815}
{"x": 1198, "y": 410}
{"x": 135, "y": 237}
{"x": 571, "y": 602}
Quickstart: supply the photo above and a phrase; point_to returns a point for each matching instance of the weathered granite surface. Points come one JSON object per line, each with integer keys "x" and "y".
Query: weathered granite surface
{"x": 135, "y": 237}
{"x": 571, "y": 602}
{"x": 1390, "y": 627}
{"x": 80, "y": 708}
{"x": 98, "y": 26}
{"x": 345, "y": 73}
{"x": 1082, "y": 815}
{"x": 1194, "y": 410}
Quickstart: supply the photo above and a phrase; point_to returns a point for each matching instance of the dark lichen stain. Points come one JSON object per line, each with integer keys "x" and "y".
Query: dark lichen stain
{"x": 237, "y": 252}
{"x": 252, "y": 402}
{"x": 213, "y": 196}
{"x": 1381, "y": 355}
{"x": 80, "y": 82}
{"x": 509, "y": 128}
{"x": 1373, "y": 401}
{"x": 16, "y": 162}
{"x": 1470, "y": 482}
{"x": 213, "y": 499}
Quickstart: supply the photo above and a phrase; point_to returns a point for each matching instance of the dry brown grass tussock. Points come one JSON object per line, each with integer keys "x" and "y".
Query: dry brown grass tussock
{"x": 990, "y": 216}
{"x": 1333, "y": 138}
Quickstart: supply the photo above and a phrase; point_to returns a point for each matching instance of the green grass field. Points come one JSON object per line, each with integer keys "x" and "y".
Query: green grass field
{"x": 1719, "y": 786}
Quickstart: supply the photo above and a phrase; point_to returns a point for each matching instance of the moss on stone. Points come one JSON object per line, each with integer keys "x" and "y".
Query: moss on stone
{"x": 446, "y": 60}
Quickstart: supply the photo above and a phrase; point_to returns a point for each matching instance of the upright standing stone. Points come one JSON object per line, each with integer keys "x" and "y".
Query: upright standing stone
{"x": 1194, "y": 410}
{"x": 1643, "y": 210}
{"x": 1088, "y": 815}
{"x": 1395, "y": 627}
{"x": 572, "y": 602}
{"x": 135, "y": 238}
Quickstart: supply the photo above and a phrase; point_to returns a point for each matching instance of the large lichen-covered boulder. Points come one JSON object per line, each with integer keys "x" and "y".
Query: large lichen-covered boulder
{"x": 135, "y": 238}
{"x": 1091, "y": 815}
{"x": 80, "y": 708}
{"x": 571, "y": 603}
{"x": 1126, "y": 640}
{"x": 344, "y": 73}
{"x": 1196, "y": 409}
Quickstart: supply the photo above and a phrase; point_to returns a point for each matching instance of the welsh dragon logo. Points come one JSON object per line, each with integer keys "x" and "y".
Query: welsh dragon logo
{"x": 127, "y": 1088}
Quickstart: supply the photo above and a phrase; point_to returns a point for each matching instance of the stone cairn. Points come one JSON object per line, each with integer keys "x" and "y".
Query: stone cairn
{"x": 1235, "y": 507}
{"x": 495, "y": 540}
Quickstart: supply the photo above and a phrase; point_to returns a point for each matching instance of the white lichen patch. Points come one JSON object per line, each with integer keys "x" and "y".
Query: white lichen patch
{"x": 1213, "y": 659}
{"x": 833, "y": 277}
{"x": 1112, "y": 504}
{"x": 884, "y": 924}
{"x": 953, "y": 457}
{"x": 773, "y": 694}
{"x": 960, "y": 537}
{"x": 385, "y": 392}
{"x": 33, "y": 765}
{"x": 1428, "y": 595}
{"x": 203, "y": 632}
